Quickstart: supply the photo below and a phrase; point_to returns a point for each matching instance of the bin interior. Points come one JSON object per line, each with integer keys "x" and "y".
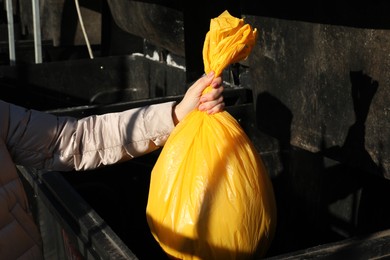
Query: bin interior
{"x": 119, "y": 193}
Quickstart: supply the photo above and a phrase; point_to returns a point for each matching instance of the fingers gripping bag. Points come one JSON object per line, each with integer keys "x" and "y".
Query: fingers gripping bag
{"x": 210, "y": 195}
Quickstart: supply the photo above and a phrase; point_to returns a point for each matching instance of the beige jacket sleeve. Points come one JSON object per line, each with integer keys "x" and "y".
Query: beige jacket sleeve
{"x": 42, "y": 140}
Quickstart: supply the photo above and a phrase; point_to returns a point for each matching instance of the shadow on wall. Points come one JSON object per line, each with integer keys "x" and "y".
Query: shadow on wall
{"x": 353, "y": 151}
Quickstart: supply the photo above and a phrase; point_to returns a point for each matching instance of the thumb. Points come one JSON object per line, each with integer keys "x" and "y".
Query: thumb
{"x": 203, "y": 83}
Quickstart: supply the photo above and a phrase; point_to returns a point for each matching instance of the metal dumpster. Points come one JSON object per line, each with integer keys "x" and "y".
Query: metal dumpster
{"x": 310, "y": 119}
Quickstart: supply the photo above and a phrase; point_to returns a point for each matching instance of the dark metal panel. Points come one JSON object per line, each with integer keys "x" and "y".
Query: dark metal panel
{"x": 331, "y": 86}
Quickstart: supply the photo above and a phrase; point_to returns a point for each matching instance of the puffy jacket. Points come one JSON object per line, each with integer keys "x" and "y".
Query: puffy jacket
{"x": 44, "y": 141}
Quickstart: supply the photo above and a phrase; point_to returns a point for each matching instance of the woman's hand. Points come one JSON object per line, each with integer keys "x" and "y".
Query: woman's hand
{"x": 211, "y": 102}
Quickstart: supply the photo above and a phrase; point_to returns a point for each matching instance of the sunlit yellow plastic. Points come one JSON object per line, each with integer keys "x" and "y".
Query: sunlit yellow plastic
{"x": 210, "y": 195}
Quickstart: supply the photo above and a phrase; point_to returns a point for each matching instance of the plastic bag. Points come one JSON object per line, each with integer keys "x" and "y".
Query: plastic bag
{"x": 210, "y": 195}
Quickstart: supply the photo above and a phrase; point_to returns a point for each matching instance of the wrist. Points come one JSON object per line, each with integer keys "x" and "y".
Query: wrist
{"x": 175, "y": 117}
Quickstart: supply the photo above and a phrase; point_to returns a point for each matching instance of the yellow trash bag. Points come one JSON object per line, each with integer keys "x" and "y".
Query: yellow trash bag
{"x": 210, "y": 195}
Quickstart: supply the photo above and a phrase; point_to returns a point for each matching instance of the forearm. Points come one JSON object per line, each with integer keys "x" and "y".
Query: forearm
{"x": 121, "y": 136}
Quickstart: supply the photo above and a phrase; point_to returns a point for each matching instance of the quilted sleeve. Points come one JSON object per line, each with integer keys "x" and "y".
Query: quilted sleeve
{"x": 44, "y": 141}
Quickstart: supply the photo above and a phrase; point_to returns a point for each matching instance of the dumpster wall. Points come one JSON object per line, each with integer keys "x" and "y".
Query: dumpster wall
{"x": 332, "y": 83}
